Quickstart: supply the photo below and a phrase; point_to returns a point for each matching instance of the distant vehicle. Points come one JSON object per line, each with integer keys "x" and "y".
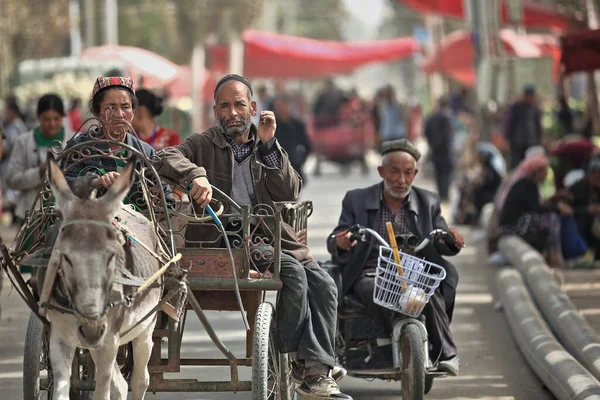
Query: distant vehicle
{"x": 28, "y": 71}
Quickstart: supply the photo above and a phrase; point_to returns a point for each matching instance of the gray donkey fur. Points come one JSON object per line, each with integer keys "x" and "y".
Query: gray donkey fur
{"x": 87, "y": 255}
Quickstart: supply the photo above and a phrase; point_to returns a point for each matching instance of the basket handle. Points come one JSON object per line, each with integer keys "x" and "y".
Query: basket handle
{"x": 394, "y": 245}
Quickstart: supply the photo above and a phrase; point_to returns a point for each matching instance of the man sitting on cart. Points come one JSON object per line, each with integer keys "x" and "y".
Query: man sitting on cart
{"x": 247, "y": 163}
{"x": 410, "y": 210}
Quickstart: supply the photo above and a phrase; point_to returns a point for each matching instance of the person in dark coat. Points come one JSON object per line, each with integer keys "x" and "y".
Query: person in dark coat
{"x": 411, "y": 210}
{"x": 523, "y": 125}
{"x": 291, "y": 134}
{"x": 586, "y": 205}
{"x": 439, "y": 131}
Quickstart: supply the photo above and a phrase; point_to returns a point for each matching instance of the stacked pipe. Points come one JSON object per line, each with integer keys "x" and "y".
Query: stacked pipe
{"x": 561, "y": 373}
{"x": 569, "y": 326}
{"x": 559, "y": 368}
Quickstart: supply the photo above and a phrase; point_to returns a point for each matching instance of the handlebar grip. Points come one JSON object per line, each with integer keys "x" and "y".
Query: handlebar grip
{"x": 449, "y": 238}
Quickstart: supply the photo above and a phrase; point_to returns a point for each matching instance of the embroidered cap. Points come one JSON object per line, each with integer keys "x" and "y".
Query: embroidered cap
{"x": 104, "y": 82}
{"x": 400, "y": 145}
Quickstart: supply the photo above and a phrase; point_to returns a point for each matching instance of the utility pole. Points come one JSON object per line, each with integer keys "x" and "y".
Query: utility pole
{"x": 90, "y": 23}
{"x": 3, "y": 54}
{"x": 474, "y": 11}
{"x": 75, "y": 31}
{"x": 111, "y": 26}
{"x": 593, "y": 23}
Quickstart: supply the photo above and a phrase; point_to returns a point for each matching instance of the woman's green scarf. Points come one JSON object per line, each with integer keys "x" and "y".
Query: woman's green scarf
{"x": 44, "y": 141}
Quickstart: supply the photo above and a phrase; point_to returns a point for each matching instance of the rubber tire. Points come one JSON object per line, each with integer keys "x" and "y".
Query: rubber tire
{"x": 265, "y": 351}
{"x": 35, "y": 346}
{"x": 428, "y": 384}
{"x": 411, "y": 346}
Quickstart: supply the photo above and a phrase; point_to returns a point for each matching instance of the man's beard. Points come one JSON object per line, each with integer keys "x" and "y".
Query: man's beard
{"x": 394, "y": 193}
{"x": 235, "y": 131}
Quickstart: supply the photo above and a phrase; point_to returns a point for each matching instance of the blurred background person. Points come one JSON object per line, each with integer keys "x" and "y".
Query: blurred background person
{"x": 145, "y": 125}
{"x": 13, "y": 126}
{"x": 392, "y": 122}
{"x": 291, "y": 134}
{"x": 439, "y": 131}
{"x": 523, "y": 126}
{"x": 27, "y": 165}
{"x": 75, "y": 115}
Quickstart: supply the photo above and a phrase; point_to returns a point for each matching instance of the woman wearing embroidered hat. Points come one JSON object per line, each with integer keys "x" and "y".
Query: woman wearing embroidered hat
{"x": 114, "y": 104}
{"x": 27, "y": 164}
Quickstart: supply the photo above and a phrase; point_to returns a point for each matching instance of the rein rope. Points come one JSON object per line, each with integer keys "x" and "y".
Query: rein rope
{"x": 127, "y": 280}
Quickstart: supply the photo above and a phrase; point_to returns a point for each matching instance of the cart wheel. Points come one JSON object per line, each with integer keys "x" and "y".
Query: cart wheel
{"x": 428, "y": 384}
{"x": 37, "y": 371}
{"x": 271, "y": 375}
{"x": 413, "y": 363}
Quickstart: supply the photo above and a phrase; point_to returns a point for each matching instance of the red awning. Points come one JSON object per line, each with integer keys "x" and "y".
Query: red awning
{"x": 581, "y": 51}
{"x": 271, "y": 55}
{"x": 534, "y": 15}
{"x": 455, "y": 58}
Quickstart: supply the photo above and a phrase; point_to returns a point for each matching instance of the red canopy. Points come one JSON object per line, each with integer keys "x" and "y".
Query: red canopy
{"x": 534, "y": 15}
{"x": 271, "y": 55}
{"x": 455, "y": 58}
{"x": 581, "y": 51}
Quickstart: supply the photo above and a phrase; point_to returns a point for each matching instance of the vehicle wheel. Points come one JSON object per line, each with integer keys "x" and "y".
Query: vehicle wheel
{"x": 287, "y": 386}
{"x": 271, "y": 374}
{"x": 413, "y": 363}
{"x": 317, "y": 171}
{"x": 37, "y": 371}
{"x": 428, "y": 384}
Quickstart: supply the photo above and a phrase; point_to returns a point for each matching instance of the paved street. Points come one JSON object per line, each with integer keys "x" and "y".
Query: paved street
{"x": 491, "y": 366}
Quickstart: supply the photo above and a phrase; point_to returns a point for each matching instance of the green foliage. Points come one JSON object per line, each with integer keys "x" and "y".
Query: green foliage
{"x": 320, "y": 19}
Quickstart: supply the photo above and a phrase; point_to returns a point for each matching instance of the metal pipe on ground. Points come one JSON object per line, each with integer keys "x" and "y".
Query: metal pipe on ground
{"x": 566, "y": 378}
{"x": 571, "y": 329}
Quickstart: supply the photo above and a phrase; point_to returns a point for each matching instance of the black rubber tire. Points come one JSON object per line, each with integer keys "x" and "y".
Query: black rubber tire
{"x": 269, "y": 366}
{"x": 36, "y": 358}
{"x": 413, "y": 363}
{"x": 428, "y": 384}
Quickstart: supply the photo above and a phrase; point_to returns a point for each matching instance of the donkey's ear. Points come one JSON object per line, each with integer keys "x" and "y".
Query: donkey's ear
{"x": 60, "y": 188}
{"x": 117, "y": 192}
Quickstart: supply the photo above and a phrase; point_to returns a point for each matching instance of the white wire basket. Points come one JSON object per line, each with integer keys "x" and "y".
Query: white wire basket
{"x": 405, "y": 288}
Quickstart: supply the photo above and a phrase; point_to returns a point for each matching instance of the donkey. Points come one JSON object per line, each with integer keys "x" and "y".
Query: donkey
{"x": 89, "y": 252}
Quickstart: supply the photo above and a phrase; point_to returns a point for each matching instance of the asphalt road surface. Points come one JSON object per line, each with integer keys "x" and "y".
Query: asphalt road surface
{"x": 491, "y": 365}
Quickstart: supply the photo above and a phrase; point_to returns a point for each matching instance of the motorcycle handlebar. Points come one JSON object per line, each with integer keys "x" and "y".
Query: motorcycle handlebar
{"x": 359, "y": 232}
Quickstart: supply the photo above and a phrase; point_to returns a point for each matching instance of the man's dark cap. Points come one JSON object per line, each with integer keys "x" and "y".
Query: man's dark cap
{"x": 529, "y": 88}
{"x": 400, "y": 145}
{"x": 233, "y": 77}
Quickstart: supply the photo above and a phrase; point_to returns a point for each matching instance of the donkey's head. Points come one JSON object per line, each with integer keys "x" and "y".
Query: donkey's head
{"x": 88, "y": 248}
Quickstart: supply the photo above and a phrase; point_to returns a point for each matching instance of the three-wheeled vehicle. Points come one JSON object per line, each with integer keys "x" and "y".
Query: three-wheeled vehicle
{"x": 404, "y": 283}
{"x": 231, "y": 271}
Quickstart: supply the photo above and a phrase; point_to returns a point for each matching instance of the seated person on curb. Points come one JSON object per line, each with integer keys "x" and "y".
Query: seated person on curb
{"x": 586, "y": 205}
{"x": 411, "y": 210}
{"x": 247, "y": 164}
{"x": 522, "y": 212}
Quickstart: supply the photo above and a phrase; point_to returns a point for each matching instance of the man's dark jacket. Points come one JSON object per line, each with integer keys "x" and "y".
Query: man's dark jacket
{"x": 423, "y": 214}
